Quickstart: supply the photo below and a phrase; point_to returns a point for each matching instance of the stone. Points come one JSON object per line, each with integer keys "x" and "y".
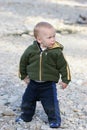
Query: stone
{"x": 8, "y": 112}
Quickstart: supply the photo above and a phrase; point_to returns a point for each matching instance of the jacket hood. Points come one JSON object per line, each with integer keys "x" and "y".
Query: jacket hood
{"x": 57, "y": 45}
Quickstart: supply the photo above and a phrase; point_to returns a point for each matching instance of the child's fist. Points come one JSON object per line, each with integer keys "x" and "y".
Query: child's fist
{"x": 63, "y": 85}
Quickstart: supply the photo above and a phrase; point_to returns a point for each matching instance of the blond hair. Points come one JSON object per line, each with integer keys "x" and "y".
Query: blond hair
{"x": 40, "y": 25}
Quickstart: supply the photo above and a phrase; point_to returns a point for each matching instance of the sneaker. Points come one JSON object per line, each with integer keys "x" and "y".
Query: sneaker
{"x": 19, "y": 120}
{"x": 54, "y": 125}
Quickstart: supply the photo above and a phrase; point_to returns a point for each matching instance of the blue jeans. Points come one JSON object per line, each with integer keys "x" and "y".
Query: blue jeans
{"x": 46, "y": 93}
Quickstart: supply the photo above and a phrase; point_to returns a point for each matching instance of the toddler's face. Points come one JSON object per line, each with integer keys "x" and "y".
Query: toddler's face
{"x": 47, "y": 37}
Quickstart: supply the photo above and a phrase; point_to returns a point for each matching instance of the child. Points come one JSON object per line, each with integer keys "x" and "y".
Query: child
{"x": 40, "y": 67}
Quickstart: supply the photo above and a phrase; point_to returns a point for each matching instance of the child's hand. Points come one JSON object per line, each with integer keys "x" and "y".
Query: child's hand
{"x": 63, "y": 85}
{"x": 27, "y": 80}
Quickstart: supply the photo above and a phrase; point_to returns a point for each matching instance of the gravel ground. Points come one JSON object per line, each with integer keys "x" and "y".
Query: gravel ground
{"x": 17, "y": 21}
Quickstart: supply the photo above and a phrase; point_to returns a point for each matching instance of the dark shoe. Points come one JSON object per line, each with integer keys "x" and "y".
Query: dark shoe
{"x": 54, "y": 125}
{"x": 19, "y": 120}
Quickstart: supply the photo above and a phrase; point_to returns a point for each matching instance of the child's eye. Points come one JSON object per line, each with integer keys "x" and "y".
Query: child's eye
{"x": 51, "y": 37}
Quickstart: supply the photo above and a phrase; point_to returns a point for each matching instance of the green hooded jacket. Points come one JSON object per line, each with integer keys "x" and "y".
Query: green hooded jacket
{"x": 47, "y": 65}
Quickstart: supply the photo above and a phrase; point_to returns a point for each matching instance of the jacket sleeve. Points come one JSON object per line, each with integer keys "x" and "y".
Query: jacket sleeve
{"x": 63, "y": 68}
{"x": 24, "y": 61}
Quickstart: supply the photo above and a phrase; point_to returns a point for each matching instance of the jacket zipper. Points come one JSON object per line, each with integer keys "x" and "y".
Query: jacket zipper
{"x": 40, "y": 73}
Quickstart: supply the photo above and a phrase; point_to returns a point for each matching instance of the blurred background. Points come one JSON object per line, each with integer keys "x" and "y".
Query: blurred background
{"x": 67, "y": 16}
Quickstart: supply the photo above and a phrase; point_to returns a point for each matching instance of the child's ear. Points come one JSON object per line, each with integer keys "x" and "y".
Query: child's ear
{"x": 38, "y": 39}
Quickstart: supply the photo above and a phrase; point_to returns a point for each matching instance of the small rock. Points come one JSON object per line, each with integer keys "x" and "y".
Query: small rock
{"x": 75, "y": 110}
{"x": 8, "y": 112}
{"x": 84, "y": 83}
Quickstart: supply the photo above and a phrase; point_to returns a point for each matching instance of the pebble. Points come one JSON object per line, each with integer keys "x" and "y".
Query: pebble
{"x": 8, "y": 112}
